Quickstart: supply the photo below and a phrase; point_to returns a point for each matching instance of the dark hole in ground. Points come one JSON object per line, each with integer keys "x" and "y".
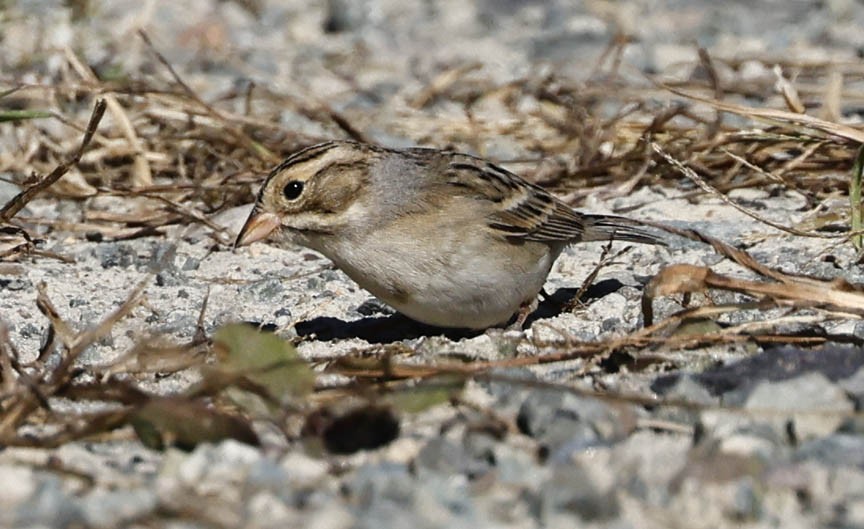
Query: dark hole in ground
{"x": 364, "y": 428}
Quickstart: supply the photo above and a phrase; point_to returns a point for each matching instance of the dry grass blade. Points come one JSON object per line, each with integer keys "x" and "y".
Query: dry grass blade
{"x": 184, "y": 420}
{"x": 691, "y": 313}
{"x": 218, "y": 233}
{"x": 9, "y": 363}
{"x": 141, "y": 172}
{"x": 16, "y": 242}
{"x": 81, "y": 341}
{"x": 696, "y": 179}
{"x": 442, "y": 83}
{"x": 484, "y": 373}
{"x": 835, "y": 295}
{"x": 344, "y": 124}
{"x": 59, "y": 327}
{"x": 88, "y": 337}
{"x": 604, "y": 261}
{"x": 833, "y": 99}
{"x": 755, "y": 168}
{"x": 788, "y": 91}
{"x": 738, "y": 256}
{"x": 49, "y": 383}
{"x": 778, "y": 116}
{"x": 255, "y": 147}
{"x": 714, "y": 79}
{"x": 77, "y": 427}
{"x": 20, "y": 200}
{"x": 149, "y": 356}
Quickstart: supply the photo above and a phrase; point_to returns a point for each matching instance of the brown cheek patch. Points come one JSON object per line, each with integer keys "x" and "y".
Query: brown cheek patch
{"x": 337, "y": 190}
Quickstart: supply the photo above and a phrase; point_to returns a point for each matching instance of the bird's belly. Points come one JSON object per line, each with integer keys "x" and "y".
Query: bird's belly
{"x": 477, "y": 306}
{"x": 452, "y": 287}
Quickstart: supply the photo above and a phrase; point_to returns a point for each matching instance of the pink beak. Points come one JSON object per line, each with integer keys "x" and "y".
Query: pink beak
{"x": 258, "y": 226}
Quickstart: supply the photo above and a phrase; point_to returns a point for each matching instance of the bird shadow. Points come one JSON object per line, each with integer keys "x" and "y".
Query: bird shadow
{"x": 396, "y": 327}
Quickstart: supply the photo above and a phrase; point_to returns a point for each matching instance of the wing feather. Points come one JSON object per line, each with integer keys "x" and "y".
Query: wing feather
{"x": 528, "y": 212}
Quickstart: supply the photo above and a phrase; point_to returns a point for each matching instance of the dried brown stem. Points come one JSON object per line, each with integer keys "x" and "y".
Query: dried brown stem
{"x": 11, "y": 208}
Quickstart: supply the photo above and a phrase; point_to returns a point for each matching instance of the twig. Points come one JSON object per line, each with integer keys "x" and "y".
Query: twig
{"x": 21, "y": 199}
{"x": 200, "y": 332}
{"x": 604, "y": 260}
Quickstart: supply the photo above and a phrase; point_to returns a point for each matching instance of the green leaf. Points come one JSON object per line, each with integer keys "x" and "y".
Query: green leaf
{"x": 855, "y": 197}
{"x": 19, "y": 115}
{"x": 264, "y": 359}
{"x": 426, "y": 394}
{"x": 113, "y": 72}
{"x": 185, "y": 424}
{"x": 697, "y": 327}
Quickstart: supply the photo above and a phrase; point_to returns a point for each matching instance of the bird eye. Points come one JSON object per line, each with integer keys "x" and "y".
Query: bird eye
{"x": 292, "y": 189}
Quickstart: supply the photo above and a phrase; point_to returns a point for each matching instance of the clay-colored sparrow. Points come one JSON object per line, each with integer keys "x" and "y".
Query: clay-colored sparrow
{"x": 447, "y": 239}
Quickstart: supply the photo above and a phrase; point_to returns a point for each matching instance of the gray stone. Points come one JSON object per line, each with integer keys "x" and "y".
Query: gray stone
{"x": 21, "y": 486}
{"x": 169, "y": 278}
{"x": 112, "y": 255}
{"x": 191, "y": 264}
{"x": 163, "y": 258}
{"x": 343, "y": 16}
{"x": 508, "y": 396}
{"x": 746, "y": 502}
{"x": 50, "y": 506}
{"x": 854, "y": 386}
{"x": 686, "y": 390}
{"x": 268, "y": 289}
{"x": 563, "y": 422}
{"x": 265, "y": 474}
{"x": 743, "y": 432}
{"x": 117, "y": 508}
{"x": 282, "y": 312}
{"x": 571, "y": 491}
{"x": 30, "y": 330}
{"x": 77, "y": 302}
{"x": 611, "y": 324}
{"x": 15, "y": 283}
{"x": 838, "y": 449}
{"x": 372, "y": 483}
{"x": 374, "y": 307}
{"x": 8, "y": 190}
{"x": 735, "y": 380}
{"x": 647, "y": 463}
{"x": 516, "y": 466}
{"x": 448, "y": 457}
{"x": 816, "y": 406}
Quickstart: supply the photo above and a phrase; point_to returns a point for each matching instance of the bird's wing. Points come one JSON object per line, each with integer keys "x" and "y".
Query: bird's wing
{"x": 522, "y": 210}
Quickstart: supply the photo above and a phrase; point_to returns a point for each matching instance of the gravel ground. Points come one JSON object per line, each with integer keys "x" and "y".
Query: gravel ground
{"x": 793, "y": 458}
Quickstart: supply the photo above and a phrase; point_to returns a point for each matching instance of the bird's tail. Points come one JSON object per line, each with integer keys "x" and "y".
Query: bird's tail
{"x": 609, "y": 227}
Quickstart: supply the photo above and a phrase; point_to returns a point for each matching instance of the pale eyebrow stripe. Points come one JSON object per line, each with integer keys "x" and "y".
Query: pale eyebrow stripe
{"x": 354, "y": 164}
{"x": 305, "y": 155}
